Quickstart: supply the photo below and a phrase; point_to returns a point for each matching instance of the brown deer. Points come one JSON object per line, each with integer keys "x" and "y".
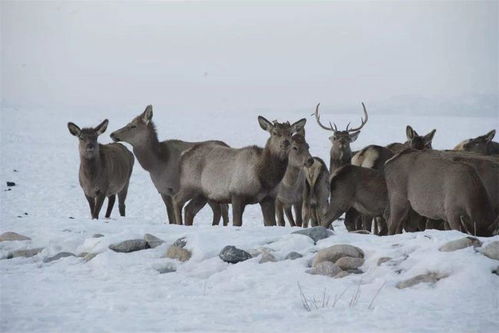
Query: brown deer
{"x": 316, "y": 192}
{"x": 290, "y": 189}
{"x": 373, "y": 157}
{"x": 239, "y": 176}
{"x": 161, "y": 160}
{"x": 482, "y": 144}
{"x": 105, "y": 170}
{"x": 360, "y": 188}
{"x": 414, "y": 140}
{"x": 439, "y": 189}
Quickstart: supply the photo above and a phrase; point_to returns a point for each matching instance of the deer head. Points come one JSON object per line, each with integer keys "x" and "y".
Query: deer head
{"x": 136, "y": 131}
{"x": 416, "y": 141}
{"x": 479, "y": 144}
{"x": 89, "y": 147}
{"x": 279, "y": 142}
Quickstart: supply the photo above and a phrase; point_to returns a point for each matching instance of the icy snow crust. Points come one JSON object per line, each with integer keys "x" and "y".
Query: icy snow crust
{"x": 124, "y": 292}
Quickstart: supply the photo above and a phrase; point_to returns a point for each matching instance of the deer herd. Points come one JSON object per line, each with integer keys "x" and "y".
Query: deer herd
{"x": 382, "y": 189}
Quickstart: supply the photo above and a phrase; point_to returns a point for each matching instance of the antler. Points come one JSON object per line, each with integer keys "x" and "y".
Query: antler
{"x": 318, "y": 118}
{"x": 361, "y": 119}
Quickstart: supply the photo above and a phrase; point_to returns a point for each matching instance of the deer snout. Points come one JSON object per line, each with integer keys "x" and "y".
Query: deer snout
{"x": 309, "y": 162}
{"x": 286, "y": 143}
{"x": 114, "y": 137}
{"x": 90, "y": 147}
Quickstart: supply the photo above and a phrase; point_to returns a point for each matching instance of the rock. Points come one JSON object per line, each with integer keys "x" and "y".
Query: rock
{"x": 153, "y": 241}
{"x": 256, "y": 252}
{"x": 335, "y": 252}
{"x": 176, "y": 252}
{"x": 267, "y": 257}
{"x": 491, "y": 250}
{"x": 382, "y": 260}
{"x": 346, "y": 263}
{"x": 58, "y": 256}
{"x": 460, "y": 244}
{"x": 341, "y": 275}
{"x": 24, "y": 253}
{"x": 10, "y": 184}
{"x": 130, "y": 245}
{"x": 362, "y": 232}
{"x": 97, "y": 236}
{"x": 168, "y": 268}
{"x": 181, "y": 242}
{"x": 355, "y": 271}
{"x": 316, "y": 233}
{"x": 89, "y": 256}
{"x": 12, "y": 236}
{"x": 292, "y": 256}
{"x": 496, "y": 270}
{"x": 426, "y": 278}
{"x": 325, "y": 268}
{"x": 233, "y": 255}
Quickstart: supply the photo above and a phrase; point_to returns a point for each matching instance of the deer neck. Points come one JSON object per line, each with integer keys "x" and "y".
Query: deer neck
{"x": 271, "y": 168}
{"x": 340, "y": 157}
{"x": 149, "y": 152}
{"x": 291, "y": 175}
{"x": 91, "y": 168}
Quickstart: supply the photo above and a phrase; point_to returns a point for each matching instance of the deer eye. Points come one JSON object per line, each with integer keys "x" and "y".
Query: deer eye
{"x": 295, "y": 148}
{"x": 133, "y": 126}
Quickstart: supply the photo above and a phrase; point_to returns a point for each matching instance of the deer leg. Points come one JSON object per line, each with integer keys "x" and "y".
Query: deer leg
{"x": 366, "y": 222}
{"x": 237, "y": 211}
{"x": 289, "y": 215}
{"x": 279, "y": 207}
{"x": 110, "y": 205}
{"x": 91, "y": 204}
{"x": 169, "y": 207}
{"x": 305, "y": 214}
{"x": 351, "y": 220}
{"x": 268, "y": 211}
{"x": 99, "y": 200}
{"x": 315, "y": 217}
{"x": 121, "y": 199}
{"x": 179, "y": 200}
{"x": 225, "y": 213}
{"x": 399, "y": 209}
{"x": 298, "y": 217}
{"x": 192, "y": 208}
{"x": 382, "y": 227}
{"x": 217, "y": 212}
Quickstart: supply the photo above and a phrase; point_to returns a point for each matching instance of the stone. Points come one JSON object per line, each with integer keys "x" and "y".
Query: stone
{"x": 496, "y": 271}
{"x": 97, "y": 236}
{"x": 491, "y": 250}
{"x": 89, "y": 256}
{"x": 179, "y": 253}
{"x": 267, "y": 257}
{"x": 58, "y": 256}
{"x": 341, "y": 275}
{"x": 153, "y": 241}
{"x": 460, "y": 244}
{"x": 382, "y": 260}
{"x": 181, "y": 242}
{"x": 168, "y": 268}
{"x": 325, "y": 268}
{"x": 355, "y": 271}
{"x": 346, "y": 263}
{"x": 256, "y": 252}
{"x": 24, "y": 253}
{"x": 293, "y": 255}
{"x": 12, "y": 236}
{"x": 130, "y": 245}
{"x": 10, "y": 184}
{"x": 316, "y": 233}
{"x": 233, "y": 255}
{"x": 361, "y": 232}
{"x": 335, "y": 252}
{"x": 422, "y": 278}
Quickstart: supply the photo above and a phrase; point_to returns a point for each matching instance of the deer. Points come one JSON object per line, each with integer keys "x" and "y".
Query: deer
{"x": 105, "y": 169}
{"x": 363, "y": 189}
{"x": 161, "y": 159}
{"x": 239, "y": 176}
{"x": 290, "y": 189}
{"x": 437, "y": 188}
{"x": 482, "y": 144}
{"x": 316, "y": 192}
{"x": 414, "y": 140}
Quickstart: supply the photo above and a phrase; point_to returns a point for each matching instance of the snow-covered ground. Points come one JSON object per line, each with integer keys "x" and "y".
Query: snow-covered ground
{"x": 116, "y": 292}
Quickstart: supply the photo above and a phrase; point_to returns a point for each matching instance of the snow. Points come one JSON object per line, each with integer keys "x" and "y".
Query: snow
{"x": 123, "y": 292}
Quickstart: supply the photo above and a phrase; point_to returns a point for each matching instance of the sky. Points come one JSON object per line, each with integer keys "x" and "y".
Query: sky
{"x": 407, "y": 57}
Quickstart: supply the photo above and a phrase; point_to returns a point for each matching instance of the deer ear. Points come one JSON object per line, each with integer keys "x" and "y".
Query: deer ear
{"x": 299, "y": 125}
{"x": 101, "y": 128}
{"x": 429, "y": 137}
{"x": 489, "y": 136}
{"x": 74, "y": 129}
{"x": 265, "y": 124}
{"x": 147, "y": 114}
{"x": 410, "y": 132}
{"x": 354, "y": 136}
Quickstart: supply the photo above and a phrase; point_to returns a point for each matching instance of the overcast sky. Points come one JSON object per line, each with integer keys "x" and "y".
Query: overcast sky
{"x": 244, "y": 56}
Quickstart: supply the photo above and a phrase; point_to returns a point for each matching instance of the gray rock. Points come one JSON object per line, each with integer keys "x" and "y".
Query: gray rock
{"x": 256, "y": 252}
{"x": 89, "y": 256}
{"x": 335, "y": 252}
{"x": 293, "y": 255}
{"x": 325, "y": 268}
{"x": 267, "y": 257}
{"x": 233, "y": 255}
{"x": 355, "y": 271}
{"x": 97, "y": 236}
{"x": 24, "y": 253}
{"x": 460, "y": 244}
{"x": 175, "y": 252}
{"x": 491, "y": 250}
{"x": 12, "y": 236}
{"x": 58, "y": 256}
{"x": 422, "y": 278}
{"x": 130, "y": 245}
{"x": 361, "y": 232}
{"x": 316, "y": 233}
{"x": 181, "y": 242}
{"x": 346, "y": 263}
{"x": 168, "y": 268}
{"x": 341, "y": 275}
{"x": 153, "y": 241}
{"x": 496, "y": 271}
{"x": 382, "y": 260}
